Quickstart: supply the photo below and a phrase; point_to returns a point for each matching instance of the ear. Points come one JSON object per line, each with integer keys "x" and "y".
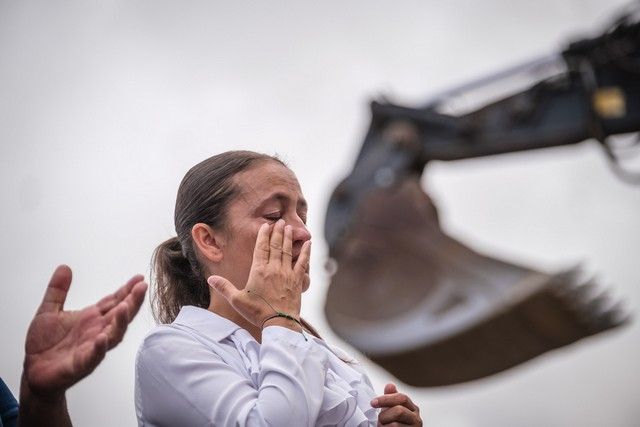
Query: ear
{"x": 208, "y": 241}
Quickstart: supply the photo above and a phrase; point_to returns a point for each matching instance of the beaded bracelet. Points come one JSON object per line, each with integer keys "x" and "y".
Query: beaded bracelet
{"x": 278, "y": 314}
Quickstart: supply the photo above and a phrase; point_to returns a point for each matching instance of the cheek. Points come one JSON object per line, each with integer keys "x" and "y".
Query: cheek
{"x": 251, "y": 238}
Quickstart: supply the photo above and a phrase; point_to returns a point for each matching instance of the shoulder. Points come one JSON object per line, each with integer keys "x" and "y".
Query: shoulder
{"x": 168, "y": 363}
{"x": 172, "y": 357}
{"x": 163, "y": 337}
{"x": 167, "y": 343}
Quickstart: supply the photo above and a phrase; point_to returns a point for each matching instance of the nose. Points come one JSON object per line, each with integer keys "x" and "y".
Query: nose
{"x": 300, "y": 232}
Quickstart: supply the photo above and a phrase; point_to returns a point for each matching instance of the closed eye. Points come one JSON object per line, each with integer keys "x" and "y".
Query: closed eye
{"x": 273, "y": 217}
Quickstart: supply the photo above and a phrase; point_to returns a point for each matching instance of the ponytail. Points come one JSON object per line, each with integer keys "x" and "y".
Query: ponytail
{"x": 177, "y": 282}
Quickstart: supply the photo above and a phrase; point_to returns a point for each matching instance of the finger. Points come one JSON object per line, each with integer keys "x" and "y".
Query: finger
{"x": 223, "y": 287}
{"x": 101, "y": 346}
{"x": 287, "y": 246}
{"x": 90, "y": 355}
{"x": 398, "y": 414}
{"x": 125, "y": 310}
{"x": 302, "y": 264}
{"x": 275, "y": 243}
{"x": 390, "y": 388}
{"x": 261, "y": 250}
{"x": 57, "y": 289}
{"x": 394, "y": 399}
{"x": 117, "y": 325}
{"x": 112, "y": 300}
{"x": 135, "y": 298}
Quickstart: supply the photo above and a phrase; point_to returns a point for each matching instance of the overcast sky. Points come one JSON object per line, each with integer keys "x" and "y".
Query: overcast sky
{"x": 104, "y": 105}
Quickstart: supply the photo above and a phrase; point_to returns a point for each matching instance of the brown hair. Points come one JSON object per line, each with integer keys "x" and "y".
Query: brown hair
{"x": 203, "y": 197}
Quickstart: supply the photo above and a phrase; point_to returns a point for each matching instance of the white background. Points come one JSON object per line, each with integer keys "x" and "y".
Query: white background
{"x": 104, "y": 105}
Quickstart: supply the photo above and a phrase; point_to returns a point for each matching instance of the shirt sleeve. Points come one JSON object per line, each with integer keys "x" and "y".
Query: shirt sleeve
{"x": 8, "y": 406}
{"x": 181, "y": 381}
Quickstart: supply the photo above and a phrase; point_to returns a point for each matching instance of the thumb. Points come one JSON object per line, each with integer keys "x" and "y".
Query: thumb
{"x": 56, "y": 293}
{"x": 222, "y": 286}
{"x": 390, "y": 388}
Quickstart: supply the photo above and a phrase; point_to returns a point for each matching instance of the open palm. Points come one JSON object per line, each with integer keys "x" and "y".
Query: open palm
{"x": 62, "y": 347}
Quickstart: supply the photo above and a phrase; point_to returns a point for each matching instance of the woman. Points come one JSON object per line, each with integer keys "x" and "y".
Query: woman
{"x": 232, "y": 349}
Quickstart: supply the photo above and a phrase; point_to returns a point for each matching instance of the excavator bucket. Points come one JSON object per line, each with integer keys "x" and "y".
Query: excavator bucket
{"x": 434, "y": 312}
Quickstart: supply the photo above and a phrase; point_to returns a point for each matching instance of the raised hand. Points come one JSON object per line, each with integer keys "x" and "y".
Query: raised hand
{"x": 62, "y": 347}
{"x": 275, "y": 281}
{"x": 397, "y": 408}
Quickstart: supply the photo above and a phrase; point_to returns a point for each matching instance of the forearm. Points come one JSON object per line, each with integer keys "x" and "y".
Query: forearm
{"x": 38, "y": 410}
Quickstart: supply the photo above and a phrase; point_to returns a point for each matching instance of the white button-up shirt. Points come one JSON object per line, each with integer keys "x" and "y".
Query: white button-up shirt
{"x": 204, "y": 370}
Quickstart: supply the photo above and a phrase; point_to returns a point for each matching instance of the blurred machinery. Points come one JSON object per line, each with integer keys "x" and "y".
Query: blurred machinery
{"x": 423, "y": 305}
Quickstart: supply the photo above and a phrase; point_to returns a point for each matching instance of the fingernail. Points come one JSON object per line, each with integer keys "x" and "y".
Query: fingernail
{"x": 374, "y": 402}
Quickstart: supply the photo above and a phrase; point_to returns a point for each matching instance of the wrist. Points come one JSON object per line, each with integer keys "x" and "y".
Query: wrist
{"x": 27, "y": 393}
{"x": 283, "y": 322}
{"x": 42, "y": 408}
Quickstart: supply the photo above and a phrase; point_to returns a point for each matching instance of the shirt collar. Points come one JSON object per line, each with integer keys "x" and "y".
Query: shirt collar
{"x": 205, "y": 322}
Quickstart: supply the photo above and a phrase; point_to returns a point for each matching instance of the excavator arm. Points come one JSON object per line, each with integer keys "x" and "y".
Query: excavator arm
{"x": 423, "y": 305}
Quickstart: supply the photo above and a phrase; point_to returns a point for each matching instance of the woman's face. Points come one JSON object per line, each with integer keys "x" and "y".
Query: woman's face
{"x": 268, "y": 191}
